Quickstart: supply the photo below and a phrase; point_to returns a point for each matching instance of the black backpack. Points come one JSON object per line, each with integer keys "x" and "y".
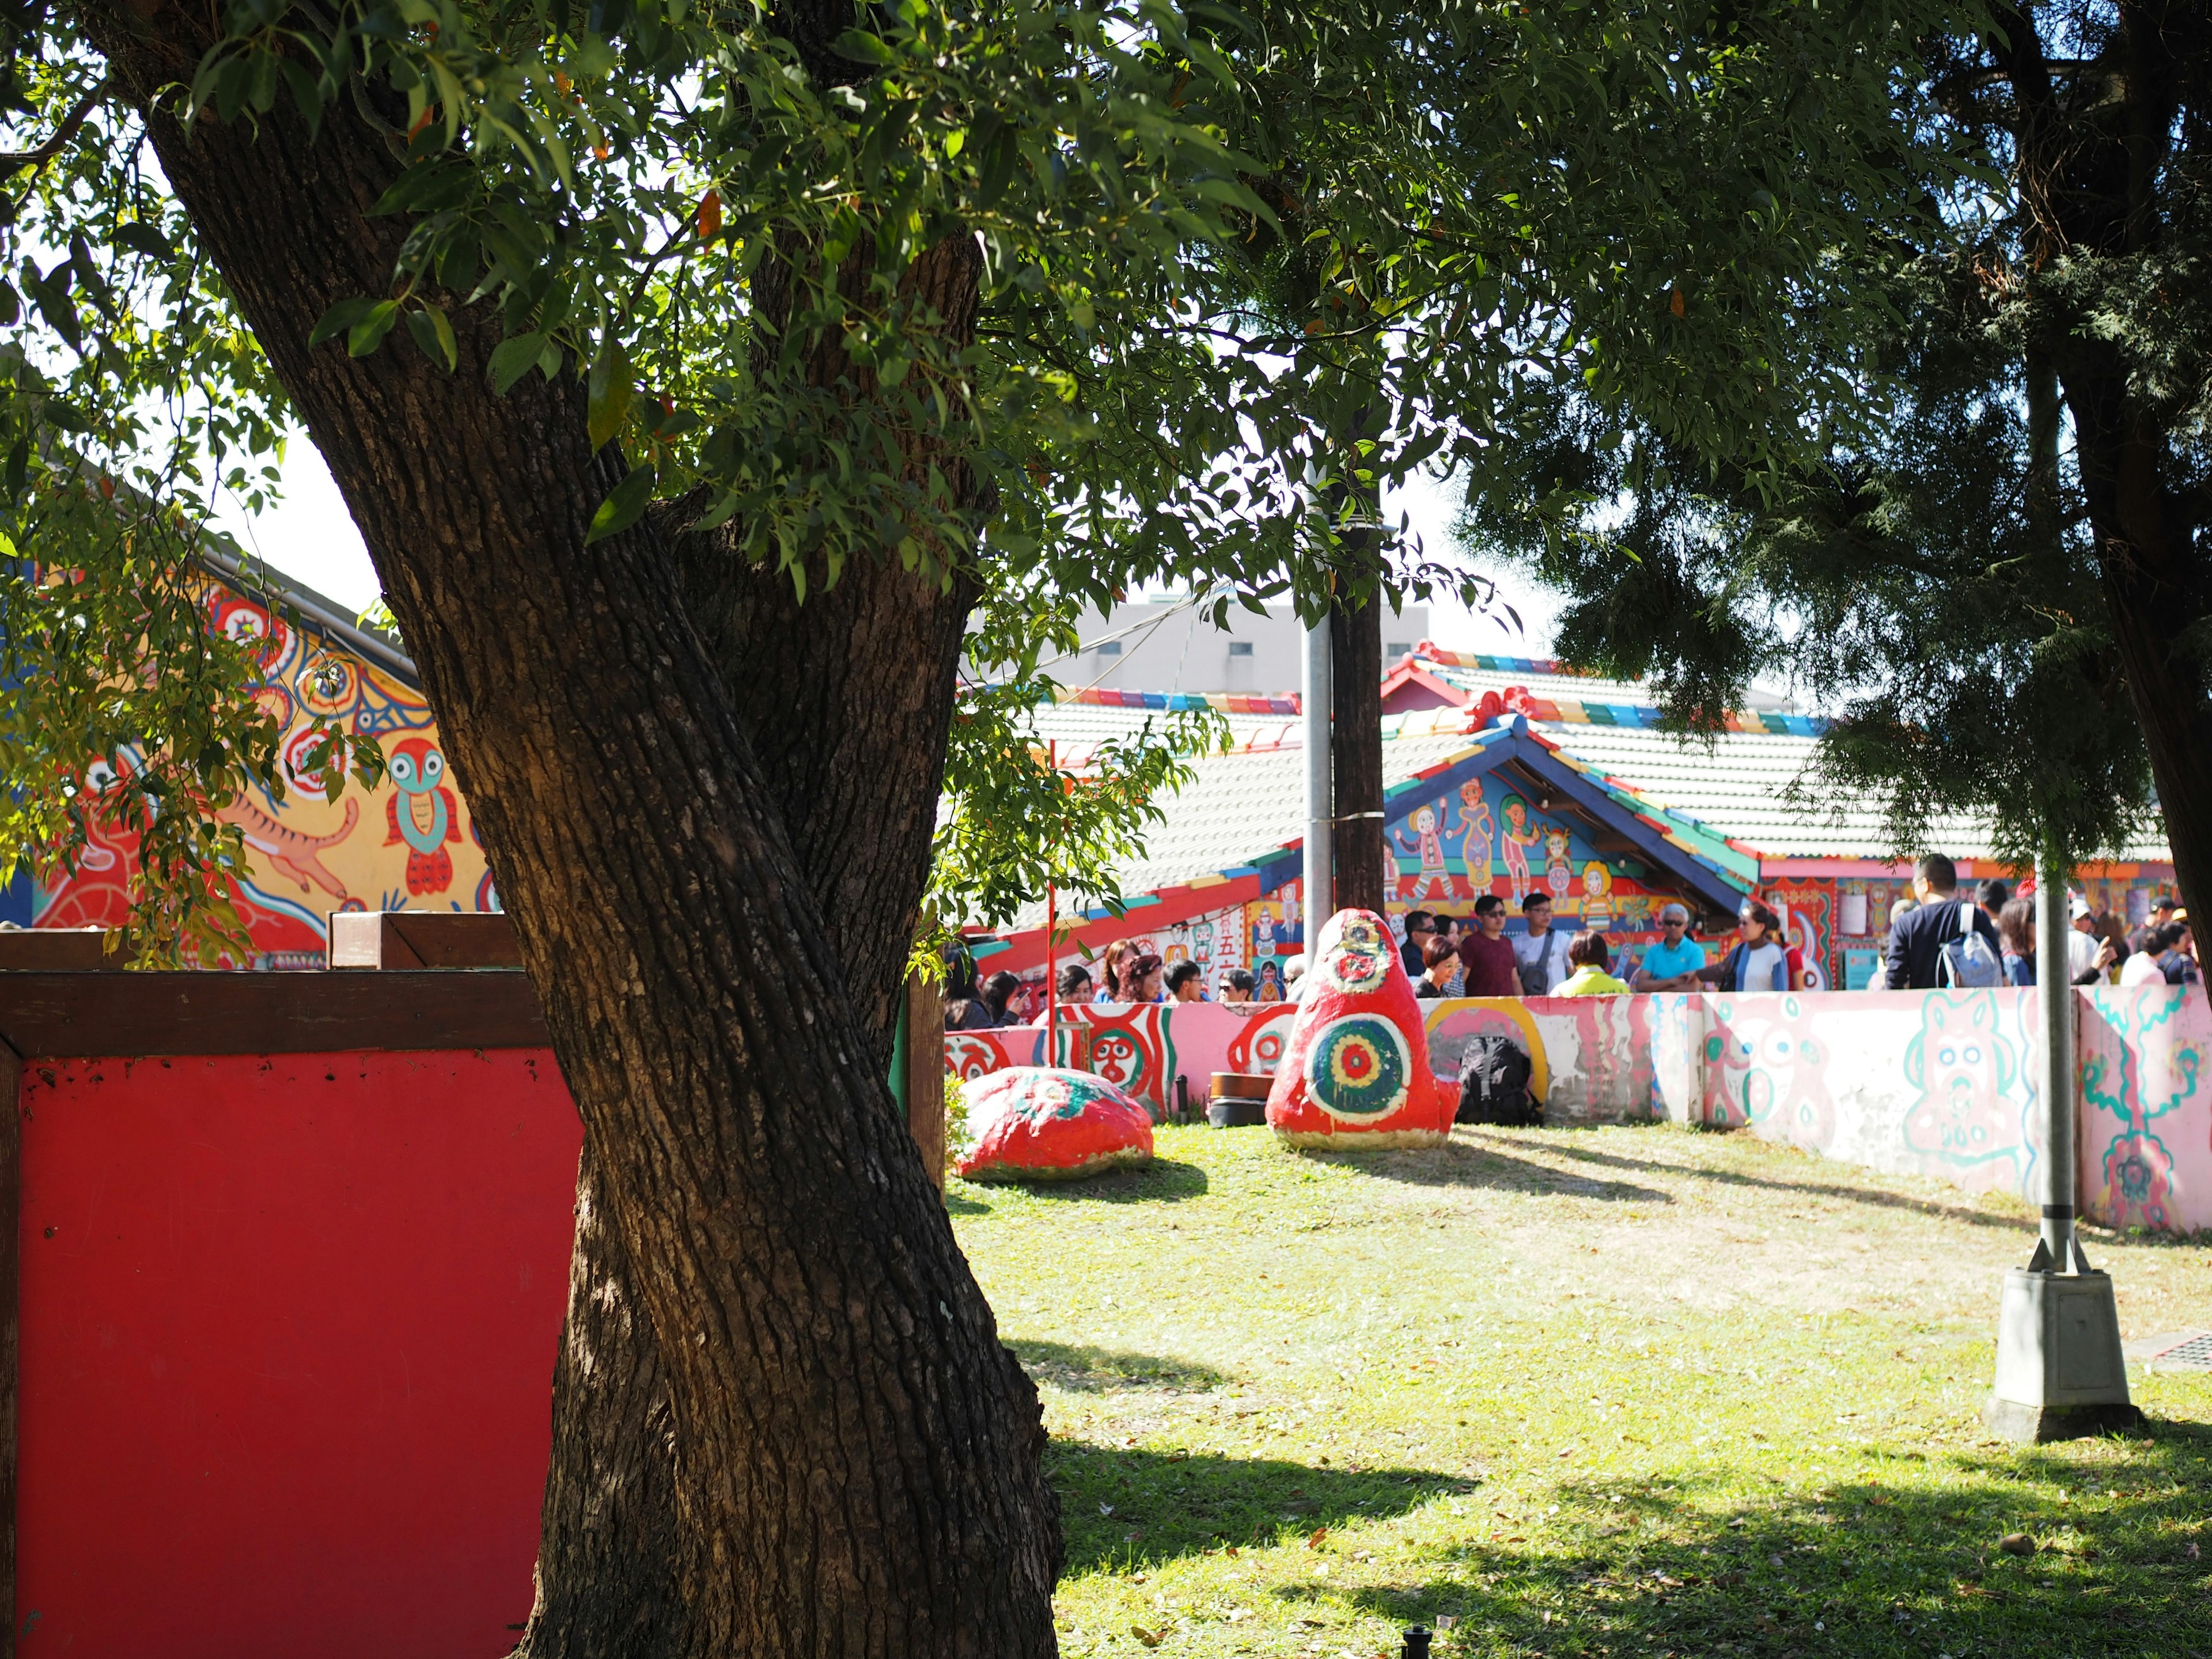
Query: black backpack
{"x": 1493, "y": 1085}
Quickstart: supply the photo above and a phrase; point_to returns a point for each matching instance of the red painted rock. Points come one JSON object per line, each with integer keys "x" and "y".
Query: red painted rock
{"x": 1045, "y": 1123}
{"x": 1357, "y": 1070}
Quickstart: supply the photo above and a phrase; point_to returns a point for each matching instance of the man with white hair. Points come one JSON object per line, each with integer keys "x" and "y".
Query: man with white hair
{"x": 1673, "y": 963}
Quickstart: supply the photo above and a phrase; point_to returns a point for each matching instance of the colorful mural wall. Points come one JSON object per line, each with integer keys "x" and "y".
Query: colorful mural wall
{"x": 1929, "y": 1083}
{"x": 1486, "y": 837}
{"x": 408, "y": 845}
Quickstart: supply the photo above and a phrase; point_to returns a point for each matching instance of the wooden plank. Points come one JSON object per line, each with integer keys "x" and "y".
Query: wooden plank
{"x": 12, "y": 1262}
{"x": 450, "y": 938}
{"x": 925, "y": 1073}
{"x": 422, "y": 938}
{"x": 58, "y": 950}
{"x": 123, "y": 1015}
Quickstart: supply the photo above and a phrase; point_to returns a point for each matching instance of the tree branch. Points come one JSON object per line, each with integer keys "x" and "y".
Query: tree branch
{"x": 11, "y": 160}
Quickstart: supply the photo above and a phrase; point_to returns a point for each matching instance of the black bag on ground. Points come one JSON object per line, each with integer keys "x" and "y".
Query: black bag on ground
{"x": 1493, "y": 1085}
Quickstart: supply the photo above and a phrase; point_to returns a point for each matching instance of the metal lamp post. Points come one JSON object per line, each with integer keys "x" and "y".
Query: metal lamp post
{"x": 2060, "y": 1371}
{"x": 1320, "y": 796}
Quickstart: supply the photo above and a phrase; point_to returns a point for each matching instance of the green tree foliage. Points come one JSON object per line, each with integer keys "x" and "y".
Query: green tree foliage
{"x": 1999, "y": 582}
{"x": 1647, "y": 204}
{"x": 1926, "y": 583}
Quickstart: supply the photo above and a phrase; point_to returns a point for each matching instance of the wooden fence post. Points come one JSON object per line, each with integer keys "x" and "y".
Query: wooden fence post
{"x": 925, "y": 1072}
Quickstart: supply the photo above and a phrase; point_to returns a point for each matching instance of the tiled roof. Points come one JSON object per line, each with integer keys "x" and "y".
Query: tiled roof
{"x": 1243, "y": 806}
{"x": 1725, "y": 802}
{"x": 1737, "y": 788}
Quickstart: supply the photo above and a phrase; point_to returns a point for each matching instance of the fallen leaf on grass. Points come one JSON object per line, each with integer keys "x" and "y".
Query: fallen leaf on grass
{"x": 2016, "y": 1543}
{"x": 1319, "y": 1537}
{"x": 1150, "y": 1638}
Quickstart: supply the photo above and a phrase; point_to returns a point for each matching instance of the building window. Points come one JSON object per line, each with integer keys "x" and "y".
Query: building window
{"x": 1397, "y": 649}
{"x": 1240, "y": 647}
{"x": 1110, "y": 647}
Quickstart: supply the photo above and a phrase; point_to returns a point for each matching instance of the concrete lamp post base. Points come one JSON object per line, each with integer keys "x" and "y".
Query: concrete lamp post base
{"x": 2060, "y": 1371}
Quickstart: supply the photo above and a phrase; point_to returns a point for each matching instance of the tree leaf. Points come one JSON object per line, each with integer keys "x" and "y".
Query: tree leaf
{"x": 339, "y": 318}
{"x": 434, "y": 335}
{"x": 512, "y": 358}
{"x": 624, "y": 504}
{"x": 610, "y": 388}
{"x": 365, "y": 336}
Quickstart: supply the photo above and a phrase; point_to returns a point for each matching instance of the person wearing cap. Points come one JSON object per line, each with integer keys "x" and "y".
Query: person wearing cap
{"x": 2087, "y": 957}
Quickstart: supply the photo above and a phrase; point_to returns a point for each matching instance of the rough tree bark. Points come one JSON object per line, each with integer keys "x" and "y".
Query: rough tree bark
{"x": 2089, "y": 166}
{"x": 838, "y": 695}
{"x": 857, "y": 1459}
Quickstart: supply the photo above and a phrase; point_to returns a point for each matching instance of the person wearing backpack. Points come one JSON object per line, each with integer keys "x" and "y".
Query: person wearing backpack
{"x": 1947, "y": 943}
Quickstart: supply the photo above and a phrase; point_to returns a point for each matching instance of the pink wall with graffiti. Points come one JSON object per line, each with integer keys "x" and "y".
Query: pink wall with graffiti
{"x": 2146, "y": 1145}
{"x": 1931, "y": 1083}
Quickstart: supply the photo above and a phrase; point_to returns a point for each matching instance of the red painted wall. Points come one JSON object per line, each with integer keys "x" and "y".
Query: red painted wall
{"x": 288, "y": 1327}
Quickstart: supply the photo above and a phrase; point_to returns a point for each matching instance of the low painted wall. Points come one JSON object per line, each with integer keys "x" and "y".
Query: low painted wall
{"x": 288, "y": 1325}
{"x": 1933, "y": 1083}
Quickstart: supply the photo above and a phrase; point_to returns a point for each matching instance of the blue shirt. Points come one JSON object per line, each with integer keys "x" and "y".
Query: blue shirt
{"x": 1665, "y": 961}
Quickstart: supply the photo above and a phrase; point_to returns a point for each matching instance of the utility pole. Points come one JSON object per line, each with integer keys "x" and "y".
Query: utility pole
{"x": 2061, "y": 1374}
{"x": 1355, "y": 638}
{"x": 1319, "y": 903}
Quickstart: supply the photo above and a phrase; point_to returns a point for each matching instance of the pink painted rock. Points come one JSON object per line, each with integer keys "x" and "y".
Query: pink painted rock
{"x": 1357, "y": 1070}
{"x": 1047, "y": 1123}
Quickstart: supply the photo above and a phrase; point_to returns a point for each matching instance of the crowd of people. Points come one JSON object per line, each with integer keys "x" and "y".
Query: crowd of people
{"x": 1937, "y": 938}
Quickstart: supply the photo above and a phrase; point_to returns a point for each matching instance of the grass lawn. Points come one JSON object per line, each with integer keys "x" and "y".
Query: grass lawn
{"x": 1622, "y": 1391}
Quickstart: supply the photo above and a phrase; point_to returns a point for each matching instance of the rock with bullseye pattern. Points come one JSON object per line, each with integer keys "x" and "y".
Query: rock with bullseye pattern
{"x": 1357, "y": 1070}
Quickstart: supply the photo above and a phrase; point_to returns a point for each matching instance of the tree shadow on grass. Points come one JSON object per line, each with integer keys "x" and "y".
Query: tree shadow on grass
{"x": 1163, "y": 1181}
{"x": 1874, "y": 1196}
{"x": 1125, "y": 1509}
{"x": 1858, "y": 1568}
{"x": 1086, "y": 1369}
{"x": 1467, "y": 1163}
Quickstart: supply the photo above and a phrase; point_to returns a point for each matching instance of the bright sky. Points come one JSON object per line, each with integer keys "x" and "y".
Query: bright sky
{"x": 311, "y": 537}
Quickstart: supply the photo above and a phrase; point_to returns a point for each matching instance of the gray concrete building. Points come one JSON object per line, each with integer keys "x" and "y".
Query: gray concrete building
{"x": 1170, "y": 644}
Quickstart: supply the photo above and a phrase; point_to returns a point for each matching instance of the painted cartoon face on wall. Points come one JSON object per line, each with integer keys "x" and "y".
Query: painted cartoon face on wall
{"x": 1963, "y": 1064}
{"x": 1425, "y": 820}
{"x": 422, "y": 813}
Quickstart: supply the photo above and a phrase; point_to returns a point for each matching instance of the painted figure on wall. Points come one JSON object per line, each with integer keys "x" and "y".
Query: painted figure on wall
{"x": 1428, "y": 845}
{"x": 1268, "y": 987}
{"x": 1597, "y": 896}
{"x": 1558, "y": 868}
{"x": 1963, "y": 1067}
{"x": 1476, "y": 834}
{"x": 422, "y": 813}
{"x": 1513, "y": 842}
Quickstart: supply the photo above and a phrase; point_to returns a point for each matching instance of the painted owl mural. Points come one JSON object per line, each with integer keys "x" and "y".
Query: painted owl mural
{"x": 423, "y": 814}
{"x": 307, "y": 855}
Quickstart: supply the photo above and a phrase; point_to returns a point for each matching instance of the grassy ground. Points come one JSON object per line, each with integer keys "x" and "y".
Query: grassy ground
{"x": 1628, "y": 1391}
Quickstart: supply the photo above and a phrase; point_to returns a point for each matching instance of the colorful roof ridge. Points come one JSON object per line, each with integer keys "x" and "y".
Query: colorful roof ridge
{"x": 1227, "y": 702}
{"x": 1437, "y": 653}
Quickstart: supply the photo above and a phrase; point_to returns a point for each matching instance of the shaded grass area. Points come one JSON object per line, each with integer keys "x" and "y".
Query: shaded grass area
{"x": 1625, "y": 1391}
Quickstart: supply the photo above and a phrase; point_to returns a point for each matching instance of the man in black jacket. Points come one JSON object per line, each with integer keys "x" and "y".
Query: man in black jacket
{"x": 1913, "y": 955}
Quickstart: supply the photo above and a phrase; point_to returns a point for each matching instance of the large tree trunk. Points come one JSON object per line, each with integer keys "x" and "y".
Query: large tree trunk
{"x": 856, "y": 1459}
{"x": 2089, "y": 173}
{"x": 2158, "y": 592}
